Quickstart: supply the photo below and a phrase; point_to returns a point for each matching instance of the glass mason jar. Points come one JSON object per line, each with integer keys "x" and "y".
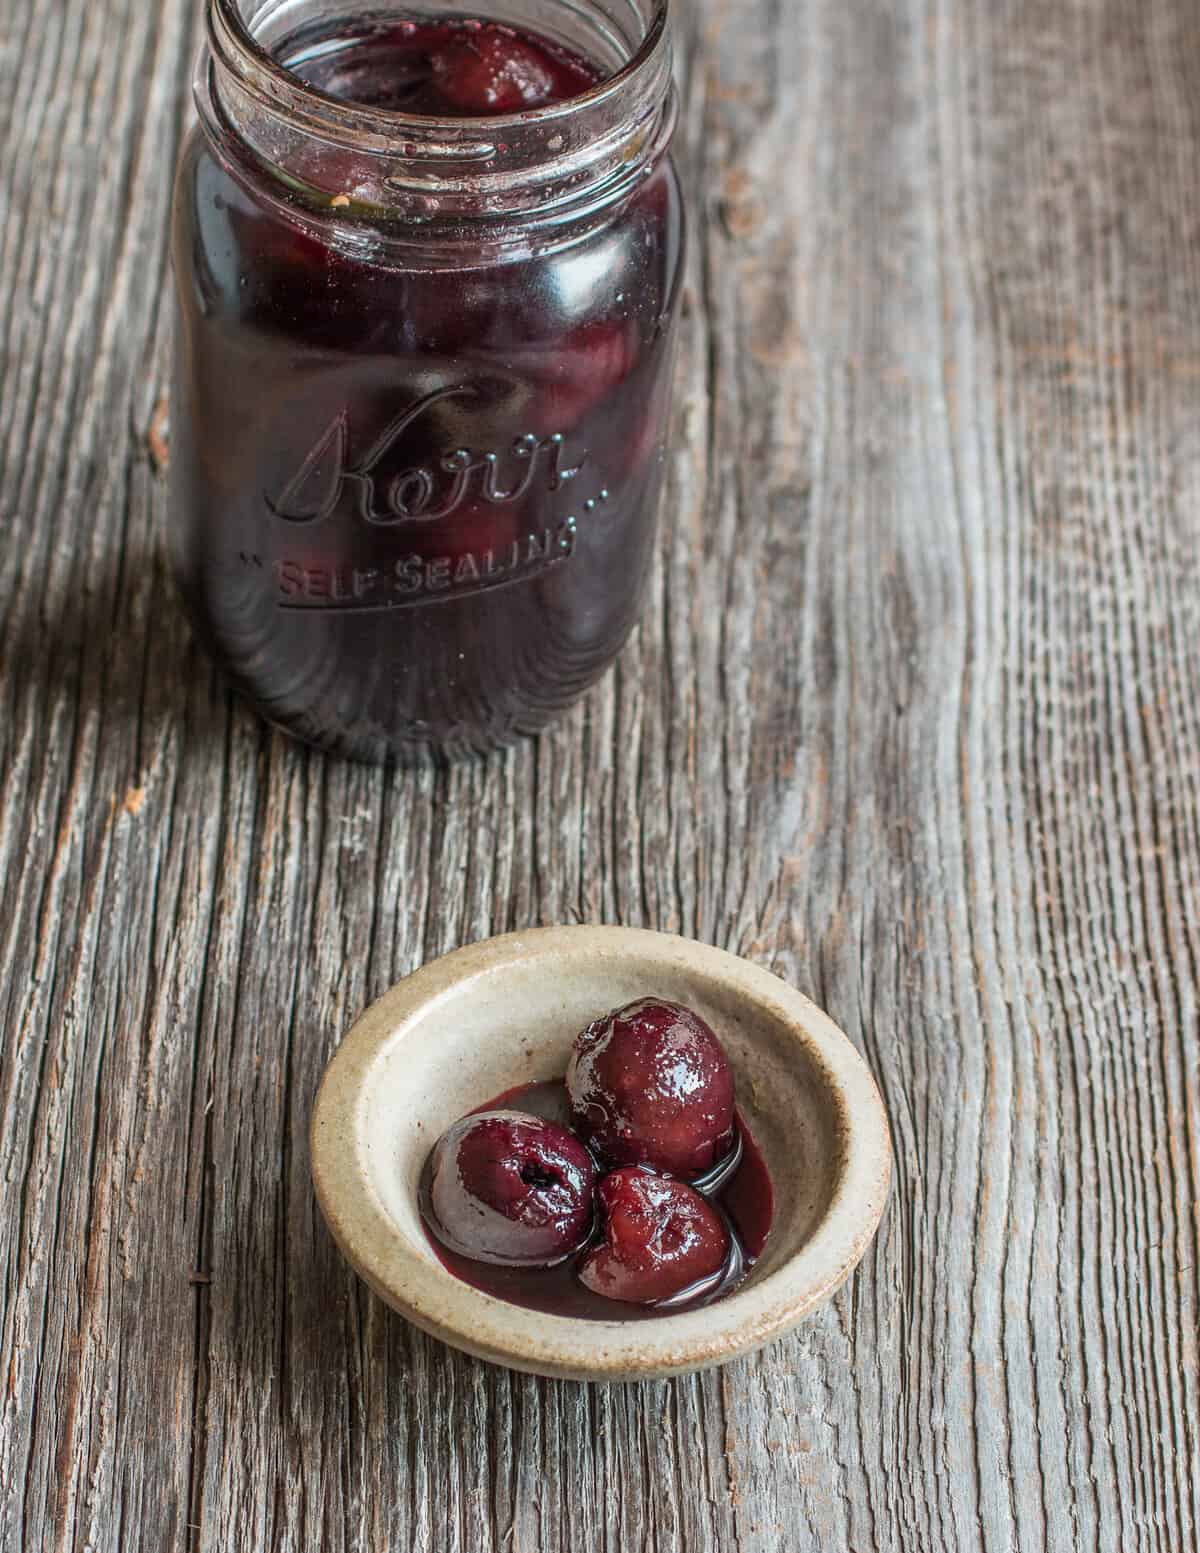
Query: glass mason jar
{"x": 422, "y": 380}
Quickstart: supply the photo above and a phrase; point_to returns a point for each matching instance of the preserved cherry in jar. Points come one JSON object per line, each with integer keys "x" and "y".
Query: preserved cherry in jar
{"x": 427, "y": 268}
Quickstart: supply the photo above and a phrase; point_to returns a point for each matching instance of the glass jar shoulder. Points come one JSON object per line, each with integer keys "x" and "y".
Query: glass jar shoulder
{"x": 249, "y": 254}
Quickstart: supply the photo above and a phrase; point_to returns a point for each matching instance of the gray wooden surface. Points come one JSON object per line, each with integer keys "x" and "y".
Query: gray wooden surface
{"x": 914, "y": 719}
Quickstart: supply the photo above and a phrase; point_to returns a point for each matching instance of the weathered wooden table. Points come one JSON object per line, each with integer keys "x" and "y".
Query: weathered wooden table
{"x": 914, "y": 718}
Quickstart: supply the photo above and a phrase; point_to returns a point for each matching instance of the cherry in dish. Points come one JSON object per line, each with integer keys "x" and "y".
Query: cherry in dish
{"x": 510, "y": 1188}
{"x": 650, "y": 1084}
{"x": 660, "y": 1241}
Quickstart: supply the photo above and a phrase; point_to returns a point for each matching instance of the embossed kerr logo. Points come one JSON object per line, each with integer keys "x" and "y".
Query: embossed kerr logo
{"x": 458, "y": 558}
{"x": 422, "y": 493}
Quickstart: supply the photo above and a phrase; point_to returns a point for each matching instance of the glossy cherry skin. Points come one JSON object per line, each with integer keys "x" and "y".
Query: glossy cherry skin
{"x": 650, "y": 1084}
{"x": 512, "y": 1189}
{"x": 491, "y": 70}
{"x": 450, "y": 68}
{"x": 658, "y": 1239}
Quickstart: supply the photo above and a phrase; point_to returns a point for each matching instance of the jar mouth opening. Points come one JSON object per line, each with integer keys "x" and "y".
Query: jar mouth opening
{"x": 225, "y": 17}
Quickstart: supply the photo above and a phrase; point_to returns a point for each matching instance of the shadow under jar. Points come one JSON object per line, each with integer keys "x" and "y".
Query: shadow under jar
{"x": 423, "y": 368}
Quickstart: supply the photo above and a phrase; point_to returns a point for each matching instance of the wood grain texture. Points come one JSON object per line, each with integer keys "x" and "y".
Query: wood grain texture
{"x": 914, "y": 718}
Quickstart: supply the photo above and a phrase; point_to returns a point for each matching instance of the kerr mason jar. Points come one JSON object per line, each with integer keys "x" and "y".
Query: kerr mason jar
{"x": 422, "y": 372}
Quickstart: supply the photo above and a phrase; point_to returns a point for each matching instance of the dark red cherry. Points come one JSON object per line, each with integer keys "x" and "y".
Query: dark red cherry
{"x": 488, "y": 69}
{"x": 650, "y": 1084}
{"x": 510, "y": 1188}
{"x": 291, "y": 271}
{"x": 483, "y": 526}
{"x": 575, "y": 374}
{"x": 659, "y": 1239}
{"x": 447, "y": 69}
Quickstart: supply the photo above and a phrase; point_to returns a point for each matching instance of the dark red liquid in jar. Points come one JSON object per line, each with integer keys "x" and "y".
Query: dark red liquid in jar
{"x": 456, "y": 68}
{"x": 413, "y": 499}
{"x": 747, "y": 1199}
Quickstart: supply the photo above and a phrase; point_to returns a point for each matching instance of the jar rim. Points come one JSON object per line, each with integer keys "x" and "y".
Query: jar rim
{"x": 227, "y": 24}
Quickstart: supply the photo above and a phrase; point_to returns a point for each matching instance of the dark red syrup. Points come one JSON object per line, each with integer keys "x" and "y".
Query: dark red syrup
{"x": 455, "y": 67}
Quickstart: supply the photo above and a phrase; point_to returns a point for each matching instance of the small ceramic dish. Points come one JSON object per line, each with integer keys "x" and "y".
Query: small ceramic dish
{"x": 504, "y": 1012}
